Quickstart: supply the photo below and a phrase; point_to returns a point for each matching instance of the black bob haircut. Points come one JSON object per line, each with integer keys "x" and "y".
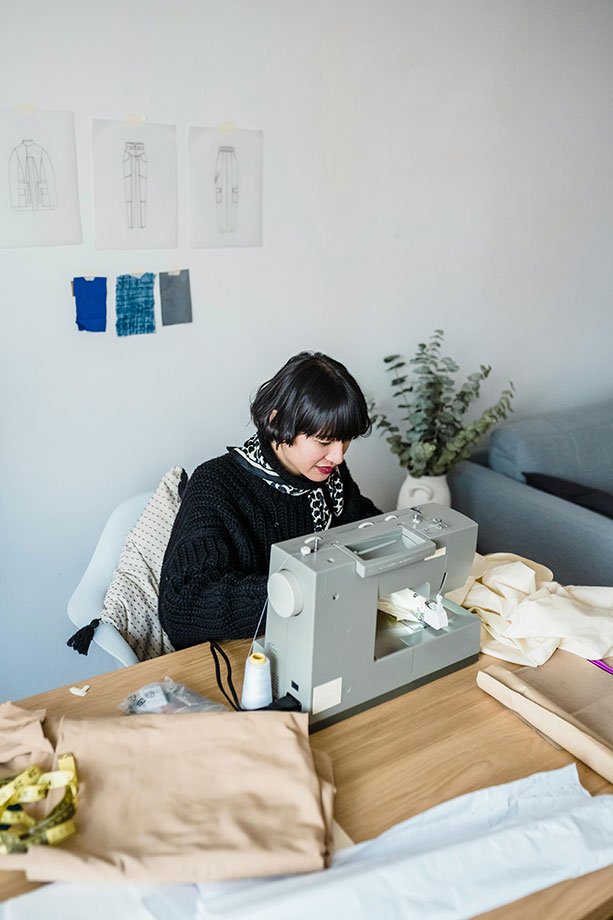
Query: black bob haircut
{"x": 314, "y": 395}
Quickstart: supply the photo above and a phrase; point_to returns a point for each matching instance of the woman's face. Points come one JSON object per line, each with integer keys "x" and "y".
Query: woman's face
{"x": 311, "y": 456}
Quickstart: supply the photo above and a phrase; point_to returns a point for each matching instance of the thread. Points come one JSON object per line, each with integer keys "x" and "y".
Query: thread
{"x": 257, "y": 688}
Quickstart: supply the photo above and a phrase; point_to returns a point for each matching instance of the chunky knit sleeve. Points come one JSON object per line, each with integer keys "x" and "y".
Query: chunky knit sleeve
{"x": 212, "y": 585}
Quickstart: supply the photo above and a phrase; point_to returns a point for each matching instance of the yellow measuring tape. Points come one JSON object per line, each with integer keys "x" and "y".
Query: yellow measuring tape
{"x": 18, "y": 829}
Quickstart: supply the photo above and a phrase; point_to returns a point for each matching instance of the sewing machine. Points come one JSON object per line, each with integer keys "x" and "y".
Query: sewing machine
{"x": 328, "y": 643}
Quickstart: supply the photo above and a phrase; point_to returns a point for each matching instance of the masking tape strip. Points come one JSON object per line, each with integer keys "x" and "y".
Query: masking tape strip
{"x": 30, "y": 786}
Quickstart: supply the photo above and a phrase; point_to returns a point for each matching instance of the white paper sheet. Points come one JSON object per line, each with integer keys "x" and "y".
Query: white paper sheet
{"x": 135, "y": 185}
{"x": 225, "y": 187}
{"x": 39, "y": 193}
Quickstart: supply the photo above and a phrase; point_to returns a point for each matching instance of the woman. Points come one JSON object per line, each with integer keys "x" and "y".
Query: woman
{"x": 288, "y": 479}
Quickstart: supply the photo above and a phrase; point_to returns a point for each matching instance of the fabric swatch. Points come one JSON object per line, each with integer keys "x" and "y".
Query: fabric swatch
{"x": 134, "y": 304}
{"x": 90, "y": 297}
{"x": 176, "y": 298}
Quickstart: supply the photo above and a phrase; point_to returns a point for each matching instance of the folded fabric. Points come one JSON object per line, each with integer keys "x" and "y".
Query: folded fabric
{"x": 567, "y": 699}
{"x": 403, "y": 605}
{"x": 526, "y": 615}
{"x": 22, "y": 740}
{"x": 459, "y": 859}
{"x": 190, "y": 798}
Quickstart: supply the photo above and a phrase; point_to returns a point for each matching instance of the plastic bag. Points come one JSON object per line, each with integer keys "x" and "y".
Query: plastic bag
{"x": 168, "y": 697}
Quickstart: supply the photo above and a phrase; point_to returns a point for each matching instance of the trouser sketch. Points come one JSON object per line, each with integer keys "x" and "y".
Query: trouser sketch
{"x": 31, "y": 178}
{"x": 226, "y": 189}
{"x": 135, "y": 184}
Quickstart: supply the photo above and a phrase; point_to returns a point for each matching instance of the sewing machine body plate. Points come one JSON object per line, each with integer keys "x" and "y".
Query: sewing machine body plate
{"x": 327, "y": 644}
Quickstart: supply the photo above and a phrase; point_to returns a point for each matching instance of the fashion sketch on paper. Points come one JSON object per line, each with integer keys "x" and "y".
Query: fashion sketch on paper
{"x": 226, "y": 189}
{"x": 135, "y": 184}
{"x": 31, "y": 178}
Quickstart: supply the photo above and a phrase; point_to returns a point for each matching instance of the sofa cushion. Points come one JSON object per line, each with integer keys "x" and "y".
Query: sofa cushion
{"x": 594, "y": 499}
{"x": 573, "y": 444}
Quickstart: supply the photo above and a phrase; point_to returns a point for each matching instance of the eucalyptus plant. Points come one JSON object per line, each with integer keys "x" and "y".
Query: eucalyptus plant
{"x": 434, "y": 435}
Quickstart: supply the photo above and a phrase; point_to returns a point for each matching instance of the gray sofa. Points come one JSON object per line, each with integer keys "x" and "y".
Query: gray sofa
{"x": 576, "y": 543}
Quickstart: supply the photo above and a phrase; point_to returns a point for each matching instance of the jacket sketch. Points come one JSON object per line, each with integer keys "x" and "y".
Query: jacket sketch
{"x": 31, "y": 178}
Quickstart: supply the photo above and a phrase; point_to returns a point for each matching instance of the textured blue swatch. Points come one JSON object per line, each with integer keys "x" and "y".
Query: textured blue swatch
{"x": 90, "y": 297}
{"x": 134, "y": 304}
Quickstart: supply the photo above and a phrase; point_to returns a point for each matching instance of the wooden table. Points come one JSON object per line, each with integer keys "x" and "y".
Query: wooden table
{"x": 390, "y": 762}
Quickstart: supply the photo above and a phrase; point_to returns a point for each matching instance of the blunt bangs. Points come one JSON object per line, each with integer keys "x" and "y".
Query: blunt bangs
{"x": 313, "y": 395}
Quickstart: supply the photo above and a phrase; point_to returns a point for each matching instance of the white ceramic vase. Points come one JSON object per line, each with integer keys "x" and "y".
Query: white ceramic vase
{"x": 416, "y": 490}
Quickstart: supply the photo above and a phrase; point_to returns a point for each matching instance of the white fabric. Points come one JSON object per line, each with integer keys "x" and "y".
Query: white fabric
{"x": 131, "y": 601}
{"x": 526, "y": 616}
{"x": 72, "y": 901}
{"x": 78, "y": 902}
{"x": 404, "y": 605}
{"x": 467, "y": 856}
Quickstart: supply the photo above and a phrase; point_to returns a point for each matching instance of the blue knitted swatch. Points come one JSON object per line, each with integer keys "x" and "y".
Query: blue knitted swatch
{"x": 90, "y": 297}
{"x": 134, "y": 304}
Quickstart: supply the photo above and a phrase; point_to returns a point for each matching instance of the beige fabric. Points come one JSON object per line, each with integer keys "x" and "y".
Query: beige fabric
{"x": 525, "y": 615}
{"x": 22, "y": 740}
{"x": 131, "y": 601}
{"x": 191, "y": 798}
{"x": 567, "y": 699}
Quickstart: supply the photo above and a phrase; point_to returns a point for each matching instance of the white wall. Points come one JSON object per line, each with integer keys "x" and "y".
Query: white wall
{"x": 426, "y": 163}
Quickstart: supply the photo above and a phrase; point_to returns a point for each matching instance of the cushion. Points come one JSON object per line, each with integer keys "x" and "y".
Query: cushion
{"x": 576, "y": 445}
{"x": 131, "y": 601}
{"x": 602, "y": 502}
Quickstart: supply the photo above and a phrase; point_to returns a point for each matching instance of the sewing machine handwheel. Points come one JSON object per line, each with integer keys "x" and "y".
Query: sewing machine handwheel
{"x": 285, "y": 594}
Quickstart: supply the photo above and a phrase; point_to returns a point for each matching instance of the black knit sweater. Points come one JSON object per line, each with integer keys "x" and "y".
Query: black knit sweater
{"x": 215, "y": 570}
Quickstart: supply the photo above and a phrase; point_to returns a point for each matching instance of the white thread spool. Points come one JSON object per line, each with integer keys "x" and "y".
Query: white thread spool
{"x": 257, "y": 689}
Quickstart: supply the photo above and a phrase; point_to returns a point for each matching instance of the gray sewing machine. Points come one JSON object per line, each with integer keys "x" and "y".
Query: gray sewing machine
{"x": 328, "y": 643}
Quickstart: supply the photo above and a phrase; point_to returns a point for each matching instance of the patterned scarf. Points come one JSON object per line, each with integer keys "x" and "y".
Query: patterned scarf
{"x": 251, "y": 456}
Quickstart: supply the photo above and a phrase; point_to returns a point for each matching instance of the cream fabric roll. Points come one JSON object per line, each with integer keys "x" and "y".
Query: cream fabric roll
{"x": 526, "y": 616}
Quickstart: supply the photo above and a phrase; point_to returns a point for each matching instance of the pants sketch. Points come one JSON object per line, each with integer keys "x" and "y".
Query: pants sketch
{"x": 226, "y": 189}
{"x": 135, "y": 184}
{"x": 31, "y": 178}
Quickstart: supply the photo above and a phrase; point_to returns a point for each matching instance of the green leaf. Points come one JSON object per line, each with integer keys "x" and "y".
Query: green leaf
{"x": 431, "y": 437}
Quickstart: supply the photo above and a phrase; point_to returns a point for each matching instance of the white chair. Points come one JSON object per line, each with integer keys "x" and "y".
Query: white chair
{"x": 88, "y": 598}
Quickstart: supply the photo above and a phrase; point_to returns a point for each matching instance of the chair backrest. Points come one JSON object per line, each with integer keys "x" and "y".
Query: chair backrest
{"x": 88, "y": 598}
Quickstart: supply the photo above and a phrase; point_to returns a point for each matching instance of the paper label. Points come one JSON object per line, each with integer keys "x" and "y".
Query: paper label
{"x": 327, "y": 695}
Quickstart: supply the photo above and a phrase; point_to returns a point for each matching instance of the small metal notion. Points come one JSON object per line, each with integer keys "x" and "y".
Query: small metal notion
{"x": 437, "y": 520}
{"x": 305, "y": 550}
{"x": 417, "y": 518}
{"x": 316, "y": 543}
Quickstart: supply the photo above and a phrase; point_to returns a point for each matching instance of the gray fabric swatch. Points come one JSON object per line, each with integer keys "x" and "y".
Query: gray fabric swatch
{"x": 175, "y": 297}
